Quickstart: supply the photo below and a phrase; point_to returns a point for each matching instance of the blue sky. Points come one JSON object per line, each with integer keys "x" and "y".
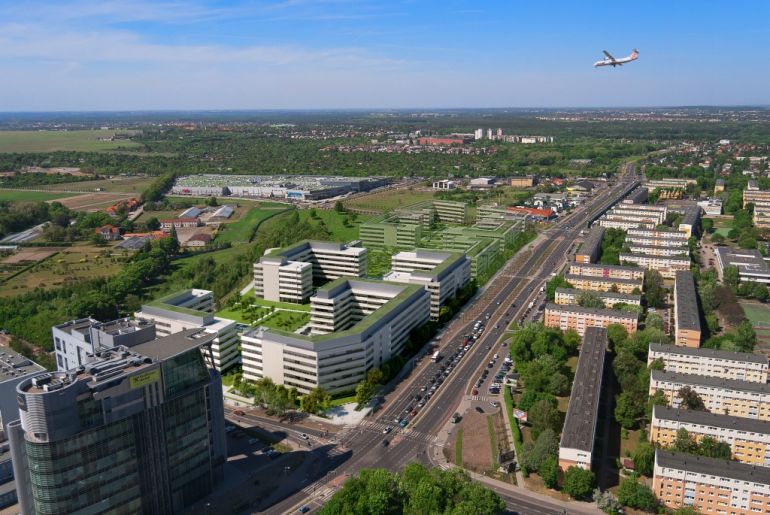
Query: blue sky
{"x": 297, "y": 54}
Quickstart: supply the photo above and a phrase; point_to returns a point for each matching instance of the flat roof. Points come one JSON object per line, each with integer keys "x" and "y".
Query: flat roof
{"x": 686, "y": 302}
{"x": 748, "y": 261}
{"x": 174, "y": 344}
{"x": 599, "y": 266}
{"x": 580, "y": 424}
{"x": 712, "y": 466}
{"x": 579, "y": 277}
{"x": 13, "y": 365}
{"x": 645, "y": 256}
{"x": 709, "y": 353}
{"x": 683, "y": 249}
{"x": 303, "y": 245}
{"x": 165, "y": 303}
{"x": 600, "y": 294}
{"x": 716, "y": 382}
{"x": 593, "y": 311}
{"x": 593, "y": 241}
{"x": 691, "y": 215}
{"x": 705, "y": 418}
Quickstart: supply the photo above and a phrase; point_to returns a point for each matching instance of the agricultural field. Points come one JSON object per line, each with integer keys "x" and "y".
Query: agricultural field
{"x": 92, "y": 201}
{"x": 69, "y": 264}
{"x": 383, "y": 201}
{"x": 128, "y": 184}
{"x": 30, "y": 196}
{"x": 53, "y": 141}
{"x": 335, "y": 222}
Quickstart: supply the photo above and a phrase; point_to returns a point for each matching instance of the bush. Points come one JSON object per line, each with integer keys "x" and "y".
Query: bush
{"x": 636, "y": 495}
{"x": 579, "y": 483}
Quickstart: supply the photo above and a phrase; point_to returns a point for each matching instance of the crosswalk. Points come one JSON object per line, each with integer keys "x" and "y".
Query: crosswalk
{"x": 479, "y": 398}
{"x": 407, "y": 432}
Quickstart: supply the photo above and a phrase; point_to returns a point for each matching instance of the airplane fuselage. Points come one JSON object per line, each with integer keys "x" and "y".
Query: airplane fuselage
{"x": 611, "y": 61}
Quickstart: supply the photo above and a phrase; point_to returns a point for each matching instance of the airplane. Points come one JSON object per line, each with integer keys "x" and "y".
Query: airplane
{"x": 611, "y": 61}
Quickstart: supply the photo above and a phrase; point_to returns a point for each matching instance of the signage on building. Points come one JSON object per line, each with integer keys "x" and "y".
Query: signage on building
{"x": 143, "y": 379}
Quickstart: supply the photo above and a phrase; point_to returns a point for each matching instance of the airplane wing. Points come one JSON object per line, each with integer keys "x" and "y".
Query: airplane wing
{"x": 608, "y": 55}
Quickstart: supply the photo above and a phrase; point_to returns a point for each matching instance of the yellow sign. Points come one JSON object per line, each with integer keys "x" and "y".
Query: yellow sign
{"x": 143, "y": 379}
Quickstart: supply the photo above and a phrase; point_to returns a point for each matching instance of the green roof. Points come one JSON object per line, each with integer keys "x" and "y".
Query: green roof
{"x": 163, "y": 303}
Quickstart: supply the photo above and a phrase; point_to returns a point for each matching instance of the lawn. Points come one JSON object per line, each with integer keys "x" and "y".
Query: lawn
{"x": 243, "y": 229}
{"x": 286, "y": 320}
{"x": 52, "y": 141}
{"x": 127, "y": 184}
{"x": 30, "y": 196}
{"x": 758, "y": 314}
{"x": 280, "y": 315}
{"x": 387, "y": 200}
{"x": 335, "y": 223}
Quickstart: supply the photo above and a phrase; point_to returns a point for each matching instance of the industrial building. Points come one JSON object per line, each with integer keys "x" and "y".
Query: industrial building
{"x": 522, "y": 181}
{"x": 687, "y": 331}
{"x": 606, "y": 271}
{"x": 576, "y": 447}
{"x": 292, "y": 187}
{"x": 187, "y": 309}
{"x": 743, "y": 366}
{"x": 137, "y": 430}
{"x": 749, "y": 439}
{"x": 444, "y": 185}
{"x": 566, "y": 296}
{"x": 580, "y": 319}
{"x": 591, "y": 248}
{"x": 605, "y": 284}
{"x": 727, "y": 396}
{"x": 668, "y": 266}
{"x": 288, "y": 274}
{"x": 443, "y": 274}
{"x": 751, "y": 265}
{"x": 355, "y": 325}
{"x": 710, "y": 485}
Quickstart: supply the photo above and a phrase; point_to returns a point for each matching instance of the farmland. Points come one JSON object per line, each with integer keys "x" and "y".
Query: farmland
{"x": 127, "y": 184}
{"x": 30, "y": 196}
{"x": 92, "y": 201}
{"x": 52, "y": 141}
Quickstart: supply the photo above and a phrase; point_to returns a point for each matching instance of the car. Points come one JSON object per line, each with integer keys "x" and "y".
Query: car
{"x": 304, "y": 436}
{"x": 496, "y": 356}
{"x": 479, "y": 409}
{"x": 252, "y": 441}
{"x": 424, "y": 388}
{"x": 414, "y": 412}
{"x": 417, "y": 396}
{"x": 421, "y": 403}
{"x": 387, "y": 430}
{"x": 407, "y": 410}
{"x": 385, "y": 443}
{"x": 403, "y": 423}
{"x": 239, "y": 413}
{"x": 304, "y": 509}
{"x": 397, "y": 420}
{"x": 474, "y": 392}
{"x": 490, "y": 365}
{"x": 495, "y": 404}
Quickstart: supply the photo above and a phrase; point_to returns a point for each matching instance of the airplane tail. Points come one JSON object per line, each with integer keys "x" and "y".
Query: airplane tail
{"x": 635, "y": 54}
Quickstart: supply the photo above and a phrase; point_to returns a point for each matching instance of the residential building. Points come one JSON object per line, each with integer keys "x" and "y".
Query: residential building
{"x": 566, "y": 296}
{"x": 443, "y": 274}
{"x": 577, "y": 439}
{"x": 711, "y": 207}
{"x": 669, "y": 183}
{"x": 719, "y": 186}
{"x": 637, "y": 196}
{"x": 440, "y": 141}
{"x": 355, "y": 325}
{"x": 743, "y": 366}
{"x": 752, "y": 266}
{"x": 591, "y": 248}
{"x": 659, "y": 250}
{"x": 666, "y": 265}
{"x": 687, "y": 332}
{"x": 523, "y": 181}
{"x": 755, "y": 196}
{"x": 77, "y": 340}
{"x": 187, "y": 309}
{"x": 749, "y": 439}
{"x": 444, "y": 185}
{"x": 198, "y": 240}
{"x": 108, "y": 232}
{"x": 288, "y": 274}
{"x": 619, "y": 223}
{"x": 727, "y": 396}
{"x": 540, "y": 215}
{"x": 136, "y": 430}
{"x": 579, "y": 318}
{"x": 710, "y": 485}
{"x": 653, "y": 245}
{"x": 690, "y": 221}
{"x": 166, "y": 224}
{"x": 660, "y": 237}
{"x": 605, "y": 284}
{"x": 638, "y": 213}
{"x": 606, "y": 271}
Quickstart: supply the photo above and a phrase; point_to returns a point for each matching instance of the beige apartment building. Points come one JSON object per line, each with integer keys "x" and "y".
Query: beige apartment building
{"x": 591, "y": 247}
{"x": 659, "y": 250}
{"x": 723, "y": 364}
{"x": 566, "y": 296}
{"x": 606, "y": 271}
{"x": 617, "y": 222}
{"x": 666, "y": 265}
{"x": 605, "y": 284}
{"x": 687, "y": 331}
{"x": 662, "y": 236}
{"x": 580, "y": 318}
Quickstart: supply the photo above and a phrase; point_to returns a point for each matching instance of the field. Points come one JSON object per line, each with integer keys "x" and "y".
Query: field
{"x": 334, "y": 221}
{"x": 52, "y": 141}
{"x": 758, "y": 314}
{"x": 128, "y": 184}
{"x": 388, "y": 200}
{"x": 241, "y": 230}
{"x": 30, "y": 255}
{"x": 30, "y": 196}
{"x": 92, "y": 201}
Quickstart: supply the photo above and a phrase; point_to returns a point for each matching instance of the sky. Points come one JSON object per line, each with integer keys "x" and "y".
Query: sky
{"x": 72, "y": 55}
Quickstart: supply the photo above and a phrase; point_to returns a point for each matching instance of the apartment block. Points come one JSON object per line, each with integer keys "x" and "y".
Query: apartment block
{"x": 669, "y": 183}
{"x": 666, "y": 265}
{"x": 743, "y": 366}
{"x": 288, "y": 274}
{"x": 690, "y": 221}
{"x": 76, "y": 340}
{"x": 605, "y": 284}
{"x": 638, "y": 196}
{"x": 194, "y": 308}
{"x": 355, "y": 325}
{"x": 752, "y": 266}
{"x": 579, "y": 318}
{"x": 651, "y": 244}
{"x": 749, "y": 439}
{"x": 755, "y": 197}
{"x": 687, "y": 331}
{"x": 637, "y": 213}
{"x": 591, "y": 248}
{"x": 726, "y": 396}
{"x": 662, "y": 237}
{"x": 620, "y": 223}
{"x": 710, "y": 485}
{"x": 576, "y": 448}
{"x": 567, "y": 296}
{"x": 606, "y": 271}
{"x": 659, "y": 250}
{"x": 761, "y": 215}
{"x": 443, "y": 274}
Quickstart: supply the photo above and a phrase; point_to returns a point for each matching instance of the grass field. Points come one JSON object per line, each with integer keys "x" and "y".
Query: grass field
{"x": 52, "y": 141}
{"x": 388, "y": 200}
{"x": 241, "y": 230}
{"x": 113, "y": 185}
{"x": 757, "y": 313}
{"x": 30, "y": 196}
{"x": 334, "y": 221}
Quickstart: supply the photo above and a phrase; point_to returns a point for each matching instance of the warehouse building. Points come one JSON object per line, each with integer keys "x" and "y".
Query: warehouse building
{"x": 686, "y": 314}
{"x": 580, "y": 319}
{"x": 591, "y": 248}
{"x": 605, "y": 284}
{"x": 566, "y": 296}
{"x": 743, "y": 366}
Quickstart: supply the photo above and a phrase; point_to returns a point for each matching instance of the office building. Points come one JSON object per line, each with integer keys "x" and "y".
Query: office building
{"x": 577, "y": 439}
{"x": 580, "y": 319}
{"x": 726, "y": 396}
{"x": 710, "y": 485}
{"x": 355, "y": 325}
{"x": 443, "y": 274}
{"x": 752, "y": 266}
{"x": 75, "y": 340}
{"x": 566, "y": 296}
{"x": 137, "y": 430}
{"x": 606, "y": 271}
{"x": 744, "y": 366}
{"x": 288, "y": 274}
{"x": 666, "y": 265}
{"x": 591, "y": 248}
{"x": 749, "y": 439}
{"x": 687, "y": 332}
{"x": 194, "y": 308}
{"x": 605, "y": 284}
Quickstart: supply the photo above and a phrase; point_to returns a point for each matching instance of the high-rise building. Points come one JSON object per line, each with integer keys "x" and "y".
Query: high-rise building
{"x": 136, "y": 430}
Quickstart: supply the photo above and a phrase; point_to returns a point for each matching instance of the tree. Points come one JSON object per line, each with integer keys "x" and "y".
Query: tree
{"x": 212, "y": 202}
{"x": 653, "y": 320}
{"x": 730, "y": 277}
{"x": 717, "y": 238}
{"x": 153, "y": 224}
{"x": 760, "y": 292}
{"x": 690, "y": 399}
{"x": 315, "y": 400}
{"x": 530, "y": 397}
{"x": 534, "y": 455}
{"x": 339, "y": 207}
{"x": 98, "y": 239}
{"x": 617, "y": 335}
{"x": 713, "y": 448}
{"x": 684, "y": 442}
{"x": 578, "y": 483}
{"x": 557, "y": 282}
{"x": 628, "y": 408}
{"x": 745, "y": 337}
{"x": 542, "y": 415}
{"x": 644, "y": 458}
{"x": 590, "y": 300}
{"x": 606, "y": 502}
{"x": 549, "y": 472}
{"x": 655, "y": 291}
{"x": 636, "y": 495}
{"x": 657, "y": 399}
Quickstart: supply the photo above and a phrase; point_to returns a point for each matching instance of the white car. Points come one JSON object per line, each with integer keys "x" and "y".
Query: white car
{"x": 304, "y": 436}
{"x": 387, "y": 430}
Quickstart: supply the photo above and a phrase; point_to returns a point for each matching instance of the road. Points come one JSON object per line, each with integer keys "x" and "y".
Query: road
{"x": 513, "y": 288}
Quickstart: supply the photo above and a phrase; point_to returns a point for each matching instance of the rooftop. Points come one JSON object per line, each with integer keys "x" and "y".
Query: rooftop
{"x": 709, "y": 381}
{"x": 174, "y": 344}
{"x": 594, "y": 311}
{"x": 593, "y": 241}
{"x": 13, "y": 365}
{"x": 598, "y": 266}
{"x": 748, "y": 261}
{"x": 686, "y": 302}
{"x": 704, "y": 418}
{"x": 579, "y": 277}
{"x": 712, "y": 466}
{"x": 172, "y": 301}
{"x": 646, "y": 256}
{"x": 580, "y": 424}
{"x": 709, "y": 353}
{"x": 691, "y": 215}
{"x": 600, "y": 294}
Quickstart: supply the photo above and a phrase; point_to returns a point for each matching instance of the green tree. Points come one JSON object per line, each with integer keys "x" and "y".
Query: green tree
{"x": 212, "y": 202}
{"x": 628, "y": 408}
{"x": 590, "y": 300}
{"x": 760, "y": 292}
{"x": 152, "y": 224}
{"x": 557, "y": 282}
{"x": 549, "y": 472}
{"x": 644, "y": 458}
{"x": 713, "y": 448}
{"x": 717, "y": 238}
{"x": 689, "y": 399}
{"x": 529, "y": 397}
{"x": 730, "y": 277}
{"x": 684, "y": 442}
{"x": 315, "y": 400}
{"x": 745, "y": 337}
{"x": 653, "y": 320}
{"x": 657, "y": 399}
{"x": 339, "y": 207}
{"x": 542, "y": 415}
{"x": 655, "y": 291}
{"x": 535, "y": 454}
{"x": 578, "y": 483}
{"x": 636, "y": 495}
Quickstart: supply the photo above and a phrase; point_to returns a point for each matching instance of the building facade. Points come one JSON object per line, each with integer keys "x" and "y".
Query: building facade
{"x": 743, "y": 366}
{"x": 605, "y": 284}
{"x": 750, "y": 263}
{"x": 668, "y": 266}
{"x": 591, "y": 248}
{"x": 606, "y": 271}
{"x": 567, "y": 296}
{"x": 580, "y": 318}
{"x": 687, "y": 331}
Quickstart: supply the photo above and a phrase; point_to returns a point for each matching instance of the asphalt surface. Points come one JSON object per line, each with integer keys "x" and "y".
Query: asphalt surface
{"x": 516, "y": 285}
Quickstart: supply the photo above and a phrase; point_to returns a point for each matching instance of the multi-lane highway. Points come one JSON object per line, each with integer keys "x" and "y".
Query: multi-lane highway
{"x": 506, "y": 300}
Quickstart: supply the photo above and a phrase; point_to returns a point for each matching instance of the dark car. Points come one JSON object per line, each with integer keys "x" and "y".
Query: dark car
{"x": 479, "y": 409}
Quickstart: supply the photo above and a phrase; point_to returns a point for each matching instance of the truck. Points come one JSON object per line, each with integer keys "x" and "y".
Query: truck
{"x": 436, "y": 357}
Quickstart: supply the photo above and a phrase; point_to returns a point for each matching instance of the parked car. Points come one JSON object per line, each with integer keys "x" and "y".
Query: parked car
{"x": 479, "y": 409}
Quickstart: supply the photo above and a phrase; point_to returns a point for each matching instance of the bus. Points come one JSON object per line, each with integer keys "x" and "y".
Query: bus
{"x": 435, "y": 357}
